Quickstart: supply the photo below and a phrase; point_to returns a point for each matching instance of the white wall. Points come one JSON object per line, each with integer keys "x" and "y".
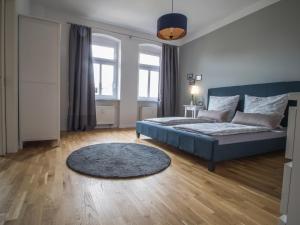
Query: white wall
{"x": 127, "y": 107}
{"x": 129, "y": 82}
{"x": 23, "y": 7}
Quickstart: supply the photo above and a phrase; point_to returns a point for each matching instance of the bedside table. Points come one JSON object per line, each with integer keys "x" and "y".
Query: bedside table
{"x": 193, "y": 108}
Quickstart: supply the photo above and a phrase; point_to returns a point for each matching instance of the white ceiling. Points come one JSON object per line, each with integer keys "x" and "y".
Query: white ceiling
{"x": 141, "y": 15}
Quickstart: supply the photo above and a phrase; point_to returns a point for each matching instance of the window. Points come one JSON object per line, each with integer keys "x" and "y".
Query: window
{"x": 149, "y": 65}
{"x": 105, "y": 62}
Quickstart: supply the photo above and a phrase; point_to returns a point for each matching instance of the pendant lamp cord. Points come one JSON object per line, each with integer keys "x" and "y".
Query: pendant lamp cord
{"x": 172, "y": 6}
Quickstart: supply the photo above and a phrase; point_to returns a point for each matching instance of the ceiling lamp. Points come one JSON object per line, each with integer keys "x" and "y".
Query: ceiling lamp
{"x": 171, "y": 26}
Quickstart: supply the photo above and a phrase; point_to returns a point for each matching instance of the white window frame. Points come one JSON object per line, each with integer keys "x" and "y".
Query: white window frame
{"x": 149, "y": 68}
{"x": 106, "y": 41}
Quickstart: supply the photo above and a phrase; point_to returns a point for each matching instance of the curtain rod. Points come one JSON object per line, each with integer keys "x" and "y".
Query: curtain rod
{"x": 123, "y": 34}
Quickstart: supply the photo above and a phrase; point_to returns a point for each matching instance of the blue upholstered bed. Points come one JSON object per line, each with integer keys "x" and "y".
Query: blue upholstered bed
{"x": 208, "y": 147}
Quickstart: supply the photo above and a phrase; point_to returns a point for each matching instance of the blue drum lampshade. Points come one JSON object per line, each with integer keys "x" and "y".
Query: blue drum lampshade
{"x": 171, "y": 26}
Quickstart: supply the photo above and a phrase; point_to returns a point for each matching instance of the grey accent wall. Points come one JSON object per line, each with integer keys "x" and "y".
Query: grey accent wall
{"x": 262, "y": 47}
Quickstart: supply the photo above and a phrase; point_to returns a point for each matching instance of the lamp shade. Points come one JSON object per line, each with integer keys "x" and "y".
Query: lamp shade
{"x": 195, "y": 90}
{"x": 171, "y": 26}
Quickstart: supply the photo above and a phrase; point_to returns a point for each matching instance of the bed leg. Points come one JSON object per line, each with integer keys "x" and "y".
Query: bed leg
{"x": 211, "y": 166}
{"x": 138, "y": 135}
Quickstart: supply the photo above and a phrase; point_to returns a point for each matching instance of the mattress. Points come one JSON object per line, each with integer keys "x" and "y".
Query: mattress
{"x": 169, "y": 121}
{"x": 258, "y": 136}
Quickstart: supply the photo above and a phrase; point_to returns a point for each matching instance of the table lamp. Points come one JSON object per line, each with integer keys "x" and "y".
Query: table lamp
{"x": 194, "y": 91}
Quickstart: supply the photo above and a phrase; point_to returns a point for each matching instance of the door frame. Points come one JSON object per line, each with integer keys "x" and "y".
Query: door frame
{"x": 2, "y": 80}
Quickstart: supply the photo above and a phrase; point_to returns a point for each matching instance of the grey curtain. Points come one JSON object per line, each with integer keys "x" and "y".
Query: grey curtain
{"x": 82, "y": 111}
{"x": 168, "y": 82}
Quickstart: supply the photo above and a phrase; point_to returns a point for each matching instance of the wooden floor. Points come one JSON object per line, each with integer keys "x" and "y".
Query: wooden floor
{"x": 36, "y": 187}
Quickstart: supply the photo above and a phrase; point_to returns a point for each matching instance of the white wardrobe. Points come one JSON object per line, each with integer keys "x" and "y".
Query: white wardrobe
{"x": 39, "y": 79}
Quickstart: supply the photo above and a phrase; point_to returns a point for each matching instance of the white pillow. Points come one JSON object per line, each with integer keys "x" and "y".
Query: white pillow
{"x": 224, "y": 103}
{"x": 266, "y": 105}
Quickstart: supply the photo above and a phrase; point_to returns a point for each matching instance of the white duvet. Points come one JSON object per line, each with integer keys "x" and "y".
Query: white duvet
{"x": 220, "y": 129}
{"x": 169, "y": 121}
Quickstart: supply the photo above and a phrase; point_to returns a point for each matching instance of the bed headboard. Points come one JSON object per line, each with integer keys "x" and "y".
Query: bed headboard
{"x": 261, "y": 90}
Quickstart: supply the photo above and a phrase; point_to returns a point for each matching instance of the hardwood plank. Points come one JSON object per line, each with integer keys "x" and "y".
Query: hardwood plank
{"x": 36, "y": 187}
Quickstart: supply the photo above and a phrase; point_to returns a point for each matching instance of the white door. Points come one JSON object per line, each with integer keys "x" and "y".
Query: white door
{"x": 2, "y": 101}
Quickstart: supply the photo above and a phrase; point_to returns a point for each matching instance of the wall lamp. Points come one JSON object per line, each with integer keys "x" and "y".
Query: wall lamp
{"x": 192, "y": 78}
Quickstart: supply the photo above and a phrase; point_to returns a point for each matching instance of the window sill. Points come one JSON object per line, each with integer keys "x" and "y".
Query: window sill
{"x": 107, "y": 99}
{"x": 147, "y": 100}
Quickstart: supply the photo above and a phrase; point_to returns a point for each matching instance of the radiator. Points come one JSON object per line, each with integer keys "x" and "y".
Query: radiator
{"x": 105, "y": 115}
{"x": 148, "y": 112}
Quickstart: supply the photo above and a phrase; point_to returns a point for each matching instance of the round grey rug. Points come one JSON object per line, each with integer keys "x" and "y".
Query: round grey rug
{"x": 118, "y": 160}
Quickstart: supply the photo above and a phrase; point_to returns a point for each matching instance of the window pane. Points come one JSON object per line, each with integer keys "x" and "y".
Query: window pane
{"x": 143, "y": 83}
{"x": 97, "y": 78}
{"x": 154, "y": 79}
{"x": 103, "y": 52}
{"x": 107, "y": 79}
{"x": 149, "y": 59}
